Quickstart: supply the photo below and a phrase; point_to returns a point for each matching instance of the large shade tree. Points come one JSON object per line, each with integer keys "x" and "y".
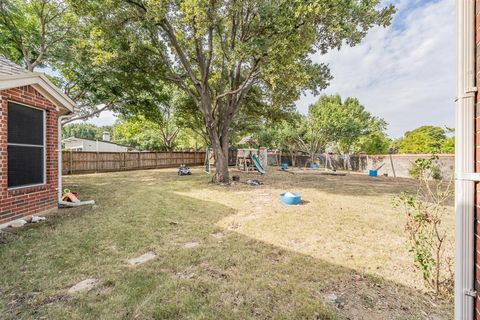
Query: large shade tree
{"x": 218, "y": 50}
{"x": 46, "y": 35}
{"x": 36, "y": 32}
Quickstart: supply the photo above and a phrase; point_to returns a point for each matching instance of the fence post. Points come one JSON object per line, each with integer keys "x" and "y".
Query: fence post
{"x": 96, "y": 162}
{"x": 138, "y": 160}
{"x": 71, "y": 162}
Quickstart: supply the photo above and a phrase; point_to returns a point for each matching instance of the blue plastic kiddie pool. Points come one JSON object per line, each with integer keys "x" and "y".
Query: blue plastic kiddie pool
{"x": 290, "y": 198}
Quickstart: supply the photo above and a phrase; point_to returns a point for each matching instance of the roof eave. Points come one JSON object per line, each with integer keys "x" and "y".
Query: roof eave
{"x": 40, "y": 82}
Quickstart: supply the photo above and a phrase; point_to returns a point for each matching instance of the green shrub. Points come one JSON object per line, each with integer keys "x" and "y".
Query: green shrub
{"x": 426, "y": 168}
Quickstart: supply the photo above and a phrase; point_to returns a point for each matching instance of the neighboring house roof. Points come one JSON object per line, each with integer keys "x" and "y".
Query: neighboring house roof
{"x": 13, "y": 76}
{"x": 71, "y": 139}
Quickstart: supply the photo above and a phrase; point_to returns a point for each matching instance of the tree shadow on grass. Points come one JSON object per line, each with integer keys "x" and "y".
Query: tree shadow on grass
{"x": 228, "y": 277}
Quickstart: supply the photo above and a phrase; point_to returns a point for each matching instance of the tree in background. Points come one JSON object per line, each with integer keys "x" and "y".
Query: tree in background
{"x": 98, "y": 79}
{"x": 84, "y": 131}
{"x": 155, "y": 105}
{"x": 36, "y": 33}
{"x": 138, "y": 133}
{"x": 80, "y": 130}
{"x": 343, "y": 122}
{"x": 310, "y": 136}
{"x": 344, "y": 125}
{"x": 217, "y": 51}
{"x": 448, "y": 146}
{"x": 146, "y": 135}
{"x": 47, "y": 34}
{"x": 426, "y": 139}
{"x": 375, "y": 141}
{"x": 282, "y": 135}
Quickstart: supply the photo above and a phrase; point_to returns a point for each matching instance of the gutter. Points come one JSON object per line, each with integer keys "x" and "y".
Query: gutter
{"x": 465, "y": 162}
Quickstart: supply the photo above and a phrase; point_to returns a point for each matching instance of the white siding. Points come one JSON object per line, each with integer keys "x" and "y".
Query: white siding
{"x": 93, "y": 146}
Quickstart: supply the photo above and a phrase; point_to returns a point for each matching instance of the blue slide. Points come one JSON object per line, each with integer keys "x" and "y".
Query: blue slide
{"x": 257, "y": 164}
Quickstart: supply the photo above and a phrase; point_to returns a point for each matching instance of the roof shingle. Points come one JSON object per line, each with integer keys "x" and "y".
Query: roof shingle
{"x": 8, "y": 68}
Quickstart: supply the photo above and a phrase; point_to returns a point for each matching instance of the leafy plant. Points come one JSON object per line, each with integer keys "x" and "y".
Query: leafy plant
{"x": 427, "y": 239}
{"x": 429, "y": 167}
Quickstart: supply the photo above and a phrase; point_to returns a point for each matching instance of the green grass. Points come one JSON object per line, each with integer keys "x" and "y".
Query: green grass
{"x": 232, "y": 277}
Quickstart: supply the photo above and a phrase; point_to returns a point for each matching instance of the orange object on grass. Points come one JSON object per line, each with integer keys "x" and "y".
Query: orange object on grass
{"x": 69, "y": 196}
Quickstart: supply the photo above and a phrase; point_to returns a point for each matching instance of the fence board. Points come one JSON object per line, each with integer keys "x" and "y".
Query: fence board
{"x": 86, "y": 162}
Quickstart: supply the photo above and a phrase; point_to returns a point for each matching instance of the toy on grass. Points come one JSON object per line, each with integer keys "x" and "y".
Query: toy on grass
{"x": 69, "y": 196}
{"x": 184, "y": 170}
{"x": 69, "y": 199}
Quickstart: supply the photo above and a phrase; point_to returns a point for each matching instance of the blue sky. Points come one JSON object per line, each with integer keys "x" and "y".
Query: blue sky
{"x": 404, "y": 73}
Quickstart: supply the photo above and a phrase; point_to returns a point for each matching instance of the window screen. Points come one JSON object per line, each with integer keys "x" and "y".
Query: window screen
{"x": 26, "y": 148}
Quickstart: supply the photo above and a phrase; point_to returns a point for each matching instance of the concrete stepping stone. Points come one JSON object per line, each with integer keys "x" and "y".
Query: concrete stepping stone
{"x": 84, "y": 285}
{"x": 142, "y": 259}
{"x": 218, "y": 235}
{"x": 191, "y": 244}
{"x": 185, "y": 275}
{"x": 18, "y": 223}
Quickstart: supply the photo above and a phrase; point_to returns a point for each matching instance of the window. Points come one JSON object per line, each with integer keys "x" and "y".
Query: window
{"x": 25, "y": 146}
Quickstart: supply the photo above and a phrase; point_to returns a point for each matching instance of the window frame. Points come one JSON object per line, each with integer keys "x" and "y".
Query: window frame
{"x": 44, "y": 182}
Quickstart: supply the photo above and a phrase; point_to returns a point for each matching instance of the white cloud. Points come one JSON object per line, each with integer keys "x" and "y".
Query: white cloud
{"x": 405, "y": 73}
{"x": 106, "y": 118}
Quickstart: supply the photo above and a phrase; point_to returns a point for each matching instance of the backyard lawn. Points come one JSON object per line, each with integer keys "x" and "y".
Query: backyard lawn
{"x": 221, "y": 252}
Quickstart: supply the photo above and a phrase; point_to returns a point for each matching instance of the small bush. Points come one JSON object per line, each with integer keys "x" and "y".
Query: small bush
{"x": 429, "y": 167}
{"x": 427, "y": 239}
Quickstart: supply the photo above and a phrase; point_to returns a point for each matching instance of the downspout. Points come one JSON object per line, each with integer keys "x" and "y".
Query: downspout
{"x": 59, "y": 157}
{"x": 465, "y": 162}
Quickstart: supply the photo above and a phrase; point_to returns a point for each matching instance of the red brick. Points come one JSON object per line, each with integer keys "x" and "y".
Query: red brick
{"x": 22, "y": 202}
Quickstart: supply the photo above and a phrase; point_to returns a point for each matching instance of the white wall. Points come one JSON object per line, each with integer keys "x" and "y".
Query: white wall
{"x": 95, "y": 146}
{"x": 73, "y": 145}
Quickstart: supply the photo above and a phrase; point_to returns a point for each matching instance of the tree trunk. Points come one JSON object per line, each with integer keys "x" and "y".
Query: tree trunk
{"x": 220, "y": 145}
{"x": 221, "y": 162}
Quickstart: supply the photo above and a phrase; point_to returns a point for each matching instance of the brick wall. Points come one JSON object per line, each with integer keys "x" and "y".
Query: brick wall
{"x": 23, "y": 202}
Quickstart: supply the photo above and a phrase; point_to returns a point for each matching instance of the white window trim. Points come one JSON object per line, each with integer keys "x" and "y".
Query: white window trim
{"x": 32, "y": 145}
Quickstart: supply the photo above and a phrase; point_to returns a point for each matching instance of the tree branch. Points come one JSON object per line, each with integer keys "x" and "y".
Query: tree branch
{"x": 86, "y": 116}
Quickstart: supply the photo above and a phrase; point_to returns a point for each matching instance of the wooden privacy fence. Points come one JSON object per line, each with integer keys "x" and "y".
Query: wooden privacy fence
{"x": 85, "y": 162}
